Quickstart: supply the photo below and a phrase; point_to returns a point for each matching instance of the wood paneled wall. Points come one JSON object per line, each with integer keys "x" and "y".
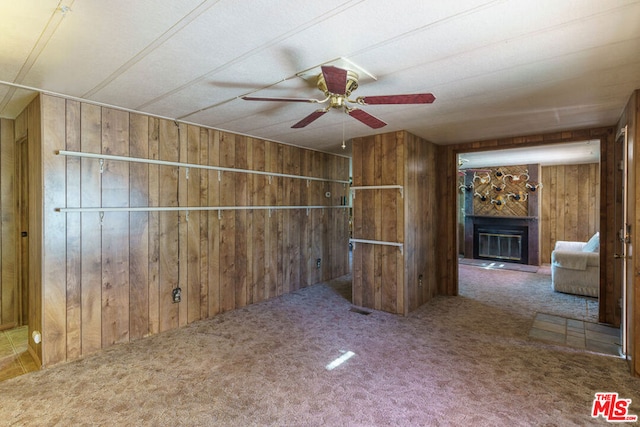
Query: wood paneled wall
{"x": 9, "y": 297}
{"x": 28, "y": 129}
{"x": 386, "y": 277}
{"x": 447, "y": 168}
{"x": 570, "y": 206}
{"x": 420, "y": 221}
{"x": 109, "y": 279}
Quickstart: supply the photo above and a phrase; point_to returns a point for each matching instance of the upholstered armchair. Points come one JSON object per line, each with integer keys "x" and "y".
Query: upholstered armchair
{"x": 575, "y": 267}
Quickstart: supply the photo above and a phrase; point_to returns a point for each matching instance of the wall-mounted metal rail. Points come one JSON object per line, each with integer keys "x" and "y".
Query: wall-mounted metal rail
{"x": 377, "y": 187}
{"x": 379, "y": 242}
{"x": 187, "y": 209}
{"x": 192, "y": 165}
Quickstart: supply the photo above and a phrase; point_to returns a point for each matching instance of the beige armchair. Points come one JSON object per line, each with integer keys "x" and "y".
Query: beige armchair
{"x": 575, "y": 267}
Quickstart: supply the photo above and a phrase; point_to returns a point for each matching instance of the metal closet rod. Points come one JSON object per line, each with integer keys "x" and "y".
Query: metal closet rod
{"x": 377, "y": 187}
{"x": 190, "y": 165}
{"x": 379, "y": 242}
{"x": 188, "y": 208}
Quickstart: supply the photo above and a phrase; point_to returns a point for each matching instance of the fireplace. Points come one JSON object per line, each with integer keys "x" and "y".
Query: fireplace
{"x": 499, "y": 238}
{"x": 501, "y": 244}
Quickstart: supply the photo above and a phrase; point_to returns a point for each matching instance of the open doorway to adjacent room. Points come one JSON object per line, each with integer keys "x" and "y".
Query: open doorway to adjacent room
{"x": 513, "y": 206}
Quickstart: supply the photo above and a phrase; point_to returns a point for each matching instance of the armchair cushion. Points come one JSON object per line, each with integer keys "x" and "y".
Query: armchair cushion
{"x": 593, "y": 245}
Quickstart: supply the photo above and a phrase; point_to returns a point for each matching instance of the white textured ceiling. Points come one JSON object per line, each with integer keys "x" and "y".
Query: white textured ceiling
{"x": 497, "y": 68}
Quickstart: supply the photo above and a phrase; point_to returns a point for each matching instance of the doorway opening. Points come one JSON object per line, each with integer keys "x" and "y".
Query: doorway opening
{"x": 568, "y": 189}
{"x": 14, "y": 341}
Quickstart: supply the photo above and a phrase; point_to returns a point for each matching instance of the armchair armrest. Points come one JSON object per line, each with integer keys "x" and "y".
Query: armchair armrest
{"x": 563, "y": 245}
{"x": 575, "y": 260}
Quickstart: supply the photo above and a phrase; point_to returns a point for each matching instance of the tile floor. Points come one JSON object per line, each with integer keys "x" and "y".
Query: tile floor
{"x": 576, "y": 333}
{"x": 14, "y": 358}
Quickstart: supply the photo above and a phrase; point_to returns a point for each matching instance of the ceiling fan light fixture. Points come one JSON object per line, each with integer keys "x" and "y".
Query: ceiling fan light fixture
{"x": 337, "y": 84}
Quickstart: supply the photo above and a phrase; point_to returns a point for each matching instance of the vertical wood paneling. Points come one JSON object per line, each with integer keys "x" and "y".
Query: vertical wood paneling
{"x": 259, "y": 258}
{"x": 239, "y": 278}
{"x": 248, "y": 235}
{"x": 204, "y": 225}
{"x": 183, "y": 237}
{"x": 203, "y": 260}
{"x": 139, "y": 229}
{"x": 54, "y": 241}
{"x": 292, "y": 233}
{"x": 168, "y": 225}
{"x": 73, "y": 255}
{"x": 371, "y": 296}
{"x": 570, "y": 205}
{"x": 279, "y": 240}
{"x": 304, "y": 238}
{"x": 386, "y": 277}
{"x": 91, "y": 258}
{"x": 358, "y": 153}
{"x": 213, "y": 223}
{"x": 154, "y": 228}
{"x": 271, "y": 239}
{"x": 195, "y": 292}
{"x": 31, "y": 127}
{"x": 115, "y": 230}
{"x": 227, "y": 225}
{"x": 121, "y": 267}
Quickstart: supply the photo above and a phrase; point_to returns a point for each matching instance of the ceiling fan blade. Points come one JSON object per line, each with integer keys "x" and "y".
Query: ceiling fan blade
{"x": 366, "y": 118}
{"x": 335, "y": 78}
{"x": 416, "y": 98}
{"x": 310, "y": 118}
{"x": 255, "y": 98}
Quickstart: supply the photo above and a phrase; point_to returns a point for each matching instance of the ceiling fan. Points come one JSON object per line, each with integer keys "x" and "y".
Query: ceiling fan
{"x": 337, "y": 85}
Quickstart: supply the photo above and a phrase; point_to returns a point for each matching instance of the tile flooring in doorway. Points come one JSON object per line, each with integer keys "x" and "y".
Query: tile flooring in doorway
{"x": 574, "y": 333}
{"x": 15, "y": 360}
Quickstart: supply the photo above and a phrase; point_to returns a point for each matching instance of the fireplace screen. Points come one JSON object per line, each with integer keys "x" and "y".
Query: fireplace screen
{"x": 500, "y": 246}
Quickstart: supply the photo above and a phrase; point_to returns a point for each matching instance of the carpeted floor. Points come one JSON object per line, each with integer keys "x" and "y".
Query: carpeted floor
{"x": 458, "y": 361}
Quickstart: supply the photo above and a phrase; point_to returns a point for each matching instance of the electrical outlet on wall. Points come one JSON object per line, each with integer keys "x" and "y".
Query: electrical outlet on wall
{"x": 318, "y": 262}
{"x": 177, "y": 295}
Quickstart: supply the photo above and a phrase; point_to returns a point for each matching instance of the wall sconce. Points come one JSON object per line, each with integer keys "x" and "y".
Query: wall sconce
{"x": 483, "y": 197}
{"x": 518, "y": 197}
{"x": 533, "y": 186}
